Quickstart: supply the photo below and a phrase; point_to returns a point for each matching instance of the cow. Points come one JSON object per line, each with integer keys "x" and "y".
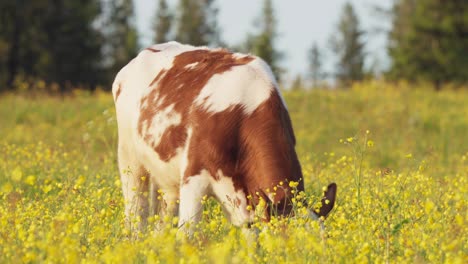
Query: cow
{"x": 196, "y": 122}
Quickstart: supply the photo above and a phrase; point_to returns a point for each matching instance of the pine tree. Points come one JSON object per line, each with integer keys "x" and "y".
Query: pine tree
{"x": 73, "y": 43}
{"x": 197, "y": 23}
{"x": 122, "y": 37}
{"x": 263, "y": 43}
{"x": 315, "y": 65}
{"x": 11, "y": 25}
{"x": 51, "y": 40}
{"x": 162, "y": 23}
{"x": 428, "y": 41}
{"x": 349, "y": 47}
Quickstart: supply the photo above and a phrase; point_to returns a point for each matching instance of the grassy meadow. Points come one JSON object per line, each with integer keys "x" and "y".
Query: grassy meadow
{"x": 399, "y": 155}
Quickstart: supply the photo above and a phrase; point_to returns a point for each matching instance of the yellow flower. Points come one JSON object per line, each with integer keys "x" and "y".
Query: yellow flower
{"x": 47, "y": 188}
{"x": 261, "y": 203}
{"x": 7, "y": 188}
{"x": 293, "y": 184}
{"x": 17, "y": 174}
{"x": 30, "y": 180}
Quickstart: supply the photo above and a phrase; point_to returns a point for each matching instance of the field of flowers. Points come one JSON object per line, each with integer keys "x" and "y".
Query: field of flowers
{"x": 399, "y": 155}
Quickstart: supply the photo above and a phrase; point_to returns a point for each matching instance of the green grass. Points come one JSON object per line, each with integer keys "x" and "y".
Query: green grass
{"x": 401, "y": 198}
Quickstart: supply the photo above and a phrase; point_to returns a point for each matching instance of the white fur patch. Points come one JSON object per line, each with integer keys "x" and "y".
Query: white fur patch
{"x": 191, "y": 65}
{"x": 234, "y": 202}
{"x": 161, "y": 121}
{"x": 271, "y": 196}
{"x": 265, "y": 72}
{"x": 242, "y": 85}
{"x": 191, "y": 194}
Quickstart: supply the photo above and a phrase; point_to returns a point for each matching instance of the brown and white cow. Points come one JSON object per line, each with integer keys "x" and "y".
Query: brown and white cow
{"x": 194, "y": 121}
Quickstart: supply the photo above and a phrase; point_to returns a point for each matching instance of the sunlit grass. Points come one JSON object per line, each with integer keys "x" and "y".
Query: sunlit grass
{"x": 398, "y": 155}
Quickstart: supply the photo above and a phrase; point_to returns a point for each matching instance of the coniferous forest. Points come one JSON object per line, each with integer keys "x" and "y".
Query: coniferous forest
{"x": 68, "y": 43}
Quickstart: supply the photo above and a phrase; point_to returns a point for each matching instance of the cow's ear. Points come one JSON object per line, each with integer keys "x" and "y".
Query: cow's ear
{"x": 328, "y": 200}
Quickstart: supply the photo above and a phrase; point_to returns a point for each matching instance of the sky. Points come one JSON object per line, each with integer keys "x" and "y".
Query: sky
{"x": 300, "y": 24}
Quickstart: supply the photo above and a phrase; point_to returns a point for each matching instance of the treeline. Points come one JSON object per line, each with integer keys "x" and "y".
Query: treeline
{"x": 428, "y": 42}
{"x": 83, "y": 43}
{"x": 67, "y": 42}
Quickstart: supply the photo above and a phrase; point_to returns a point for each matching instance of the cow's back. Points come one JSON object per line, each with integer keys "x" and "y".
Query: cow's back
{"x": 170, "y": 92}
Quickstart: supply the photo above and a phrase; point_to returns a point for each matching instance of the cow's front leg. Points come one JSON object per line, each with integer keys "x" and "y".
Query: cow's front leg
{"x": 192, "y": 190}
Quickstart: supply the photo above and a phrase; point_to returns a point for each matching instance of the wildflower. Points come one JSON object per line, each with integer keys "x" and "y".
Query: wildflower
{"x": 261, "y": 203}
{"x": 293, "y": 184}
{"x": 47, "y": 188}
{"x": 7, "y": 188}
{"x": 30, "y": 180}
{"x": 17, "y": 174}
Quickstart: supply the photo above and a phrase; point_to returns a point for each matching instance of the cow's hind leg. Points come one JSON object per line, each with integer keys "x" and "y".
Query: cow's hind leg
{"x": 192, "y": 191}
{"x": 135, "y": 186}
{"x": 163, "y": 203}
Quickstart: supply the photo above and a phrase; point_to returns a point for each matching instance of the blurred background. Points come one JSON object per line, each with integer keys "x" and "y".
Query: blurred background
{"x": 61, "y": 45}
{"x": 377, "y": 91}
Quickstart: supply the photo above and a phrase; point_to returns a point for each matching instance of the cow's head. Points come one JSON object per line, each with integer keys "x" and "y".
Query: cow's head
{"x": 279, "y": 202}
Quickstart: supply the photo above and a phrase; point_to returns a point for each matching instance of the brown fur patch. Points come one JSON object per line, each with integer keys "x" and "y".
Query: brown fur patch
{"x": 117, "y": 93}
{"x": 256, "y": 151}
{"x": 153, "y": 50}
{"x": 156, "y": 79}
{"x": 180, "y": 85}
